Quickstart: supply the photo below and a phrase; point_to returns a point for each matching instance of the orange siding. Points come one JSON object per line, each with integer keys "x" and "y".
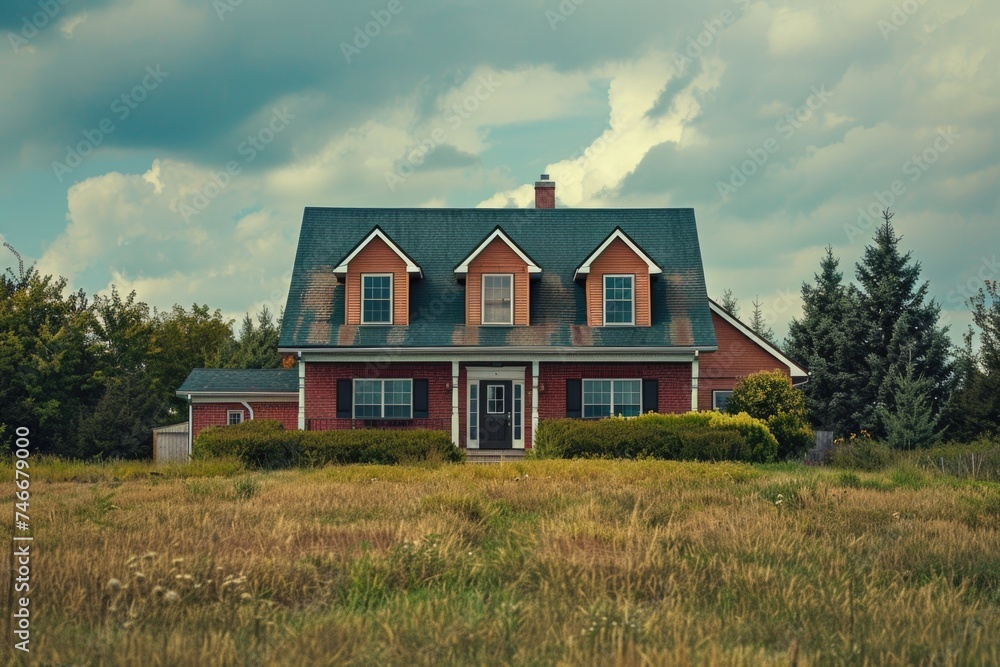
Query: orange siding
{"x": 378, "y": 257}
{"x": 737, "y": 356}
{"x": 617, "y": 258}
{"x": 497, "y": 257}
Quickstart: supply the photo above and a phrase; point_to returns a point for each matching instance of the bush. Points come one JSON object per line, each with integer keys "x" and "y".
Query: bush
{"x": 265, "y": 444}
{"x": 701, "y": 436}
{"x": 862, "y": 453}
{"x": 769, "y": 396}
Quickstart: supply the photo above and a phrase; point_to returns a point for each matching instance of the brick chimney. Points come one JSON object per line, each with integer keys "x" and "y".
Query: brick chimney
{"x": 545, "y": 193}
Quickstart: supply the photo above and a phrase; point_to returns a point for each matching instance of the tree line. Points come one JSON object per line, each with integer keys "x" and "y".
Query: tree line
{"x": 91, "y": 377}
{"x": 880, "y": 361}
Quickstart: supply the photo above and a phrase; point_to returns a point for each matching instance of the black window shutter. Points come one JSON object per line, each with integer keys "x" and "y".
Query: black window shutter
{"x": 574, "y": 398}
{"x": 650, "y": 396}
{"x": 344, "y": 398}
{"x": 420, "y": 399}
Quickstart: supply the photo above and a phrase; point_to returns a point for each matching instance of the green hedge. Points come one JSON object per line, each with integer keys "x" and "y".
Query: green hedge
{"x": 265, "y": 444}
{"x": 698, "y": 436}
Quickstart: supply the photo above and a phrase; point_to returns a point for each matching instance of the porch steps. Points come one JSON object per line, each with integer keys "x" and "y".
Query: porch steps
{"x": 493, "y": 455}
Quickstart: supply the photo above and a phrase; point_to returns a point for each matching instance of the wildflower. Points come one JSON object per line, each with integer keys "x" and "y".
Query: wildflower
{"x": 895, "y": 515}
{"x": 171, "y": 597}
{"x": 157, "y": 591}
{"x": 139, "y": 576}
{"x": 114, "y": 585}
{"x": 246, "y": 597}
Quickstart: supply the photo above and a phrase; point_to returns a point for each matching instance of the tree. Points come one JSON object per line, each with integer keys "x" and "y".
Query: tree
{"x": 730, "y": 303}
{"x": 974, "y": 408}
{"x": 120, "y": 425}
{"x": 769, "y": 396}
{"x": 257, "y": 347}
{"x": 910, "y": 423}
{"x": 759, "y": 326}
{"x": 901, "y": 326}
{"x": 825, "y": 342}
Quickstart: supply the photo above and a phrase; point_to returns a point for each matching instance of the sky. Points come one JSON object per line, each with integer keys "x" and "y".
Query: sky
{"x": 170, "y": 146}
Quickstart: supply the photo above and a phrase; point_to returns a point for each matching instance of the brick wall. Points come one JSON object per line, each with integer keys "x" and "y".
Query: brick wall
{"x": 674, "y": 383}
{"x": 216, "y": 414}
{"x": 737, "y": 356}
{"x": 321, "y": 384}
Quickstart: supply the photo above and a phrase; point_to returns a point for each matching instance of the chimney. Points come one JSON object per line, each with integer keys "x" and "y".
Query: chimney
{"x": 545, "y": 193}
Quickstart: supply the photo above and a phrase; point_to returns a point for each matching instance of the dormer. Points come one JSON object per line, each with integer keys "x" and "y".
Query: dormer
{"x": 497, "y": 276}
{"x": 376, "y": 276}
{"x": 617, "y": 278}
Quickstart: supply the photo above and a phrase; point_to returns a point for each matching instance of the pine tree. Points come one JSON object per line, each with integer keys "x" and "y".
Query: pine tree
{"x": 911, "y": 422}
{"x": 900, "y": 326}
{"x": 759, "y": 325}
{"x": 824, "y": 342}
{"x": 730, "y": 303}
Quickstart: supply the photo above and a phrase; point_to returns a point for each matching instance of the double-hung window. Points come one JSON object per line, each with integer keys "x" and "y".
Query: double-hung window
{"x": 376, "y": 298}
{"x": 619, "y": 299}
{"x": 383, "y": 399}
{"x": 498, "y": 298}
{"x": 603, "y": 398}
{"x": 234, "y": 417}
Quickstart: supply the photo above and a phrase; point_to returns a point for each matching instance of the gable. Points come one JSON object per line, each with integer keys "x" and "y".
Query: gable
{"x": 748, "y": 351}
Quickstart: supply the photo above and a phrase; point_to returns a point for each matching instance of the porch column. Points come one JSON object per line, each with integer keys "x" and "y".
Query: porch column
{"x": 454, "y": 402}
{"x": 694, "y": 383}
{"x": 534, "y": 401}
{"x": 302, "y": 393}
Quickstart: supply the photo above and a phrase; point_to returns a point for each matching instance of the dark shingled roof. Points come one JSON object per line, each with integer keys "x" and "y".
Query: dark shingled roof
{"x": 241, "y": 381}
{"x": 558, "y": 240}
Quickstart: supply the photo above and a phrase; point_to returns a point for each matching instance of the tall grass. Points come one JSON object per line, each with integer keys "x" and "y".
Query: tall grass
{"x": 533, "y": 563}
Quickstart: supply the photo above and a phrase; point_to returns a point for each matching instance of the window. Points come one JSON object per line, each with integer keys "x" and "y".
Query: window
{"x": 720, "y": 400}
{"x": 383, "y": 399}
{"x": 603, "y": 398}
{"x": 518, "y": 391}
{"x": 473, "y": 411}
{"x": 619, "y": 300}
{"x": 494, "y": 399}
{"x": 376, "y": 298}
{"x": 498, "y": 299}
{"x": 234, "y": 417}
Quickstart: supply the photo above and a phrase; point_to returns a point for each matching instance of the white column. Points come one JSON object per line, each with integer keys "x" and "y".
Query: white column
{"x": 454, "y": 402}
{"x": 534, "y": 400}
{"x": 694, "y": 383}
{"x": 190, "y": 428}
{"x": 302, "y": 393}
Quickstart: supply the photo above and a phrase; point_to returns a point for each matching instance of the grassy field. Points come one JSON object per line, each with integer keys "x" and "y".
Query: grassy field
{"x": 536, "y": 563}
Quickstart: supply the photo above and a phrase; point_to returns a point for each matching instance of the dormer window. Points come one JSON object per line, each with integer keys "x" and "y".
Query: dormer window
{"x": 498, "y": 298}
{"x": 376, "y": 298}
{"x": 619, "y": 299}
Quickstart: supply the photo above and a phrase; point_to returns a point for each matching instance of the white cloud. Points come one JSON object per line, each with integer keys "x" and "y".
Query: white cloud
{"x": 68, "y": 25}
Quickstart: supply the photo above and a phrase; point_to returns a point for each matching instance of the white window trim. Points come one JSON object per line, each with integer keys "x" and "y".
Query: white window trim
{"x": 230, "y": 413}
{"x": 381, "y": 381}
{"x": 715, "y": 405}
{"x": 392, "y": 295}
{"x": 482, "y": 300}
{"x": 604, "y": 299}
{"x": 583, "y": 390}
{"x": 475, "y": 375}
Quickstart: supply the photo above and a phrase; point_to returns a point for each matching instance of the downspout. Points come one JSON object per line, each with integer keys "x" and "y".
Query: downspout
{"x": 249, "y": 409}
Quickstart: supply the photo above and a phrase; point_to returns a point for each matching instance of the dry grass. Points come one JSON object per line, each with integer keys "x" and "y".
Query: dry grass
{"x": 536, "y": 563}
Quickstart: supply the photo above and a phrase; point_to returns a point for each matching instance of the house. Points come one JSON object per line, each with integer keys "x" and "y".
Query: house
{"x": 482, "y": 322}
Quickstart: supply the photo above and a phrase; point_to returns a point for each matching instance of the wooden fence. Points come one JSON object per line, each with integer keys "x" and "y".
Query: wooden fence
{"x": 170, "y": 443}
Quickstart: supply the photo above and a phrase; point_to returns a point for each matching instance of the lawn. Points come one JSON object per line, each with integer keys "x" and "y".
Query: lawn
{"x": 534, "y": 563}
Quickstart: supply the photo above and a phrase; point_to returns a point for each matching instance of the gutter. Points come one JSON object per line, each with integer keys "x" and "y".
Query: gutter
{"x": 539, "y": 350}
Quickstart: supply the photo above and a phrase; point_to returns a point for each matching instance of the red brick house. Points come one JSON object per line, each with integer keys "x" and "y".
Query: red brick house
{"x": 482, "y": 322}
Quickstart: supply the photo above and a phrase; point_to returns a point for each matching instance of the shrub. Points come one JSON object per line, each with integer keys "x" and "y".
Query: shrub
{"x": 265, "y": 444}
{"x": 769, "y": 396}
{"x": 702, "y": 436}
{"x": 862, "y": 453}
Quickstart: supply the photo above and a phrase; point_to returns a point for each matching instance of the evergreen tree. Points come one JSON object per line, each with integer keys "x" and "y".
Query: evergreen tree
{"x": 901, "y": 325}
{"x": 910, "y": 423}
{"x": 730, "y": 303}
{"x": 759, "y": 325}
{"x": 824, "y": 341}
{"x": 257, "y": 346}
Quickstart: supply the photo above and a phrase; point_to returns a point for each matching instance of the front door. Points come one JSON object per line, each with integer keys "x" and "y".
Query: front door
{"x": 495, "y": 415}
